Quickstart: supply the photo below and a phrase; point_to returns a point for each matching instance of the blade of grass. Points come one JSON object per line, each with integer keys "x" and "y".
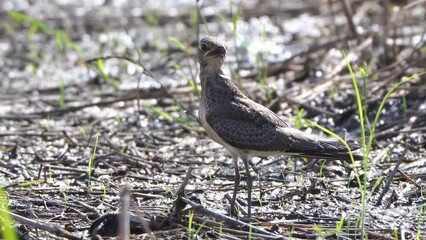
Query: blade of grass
{"x": 191, "y": 217}
{"x": 358, "y": 100}
{"x": 178, "y": 44}
{"x": 360, "y": 108}
{"x": 90, "y": 166}
{"x": 30, "y": 183}
{"x": 7, "y": 231}
{"x": 100, "y": 65}
{"x": 190, "y": 79}
{"x": 366, "y": 147}
{"x": 161, "y": 113}
{"x": 419, "y": 222}
{"x": 200, "y": 227}
{"x": 382, "y": 104}
{"x": 62, "y": 94}
{"x": 60, "y": 37}
{"x": 329, "y": 132}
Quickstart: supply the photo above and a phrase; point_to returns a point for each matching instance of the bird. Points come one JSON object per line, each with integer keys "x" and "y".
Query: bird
{"x": 246, "y": 128}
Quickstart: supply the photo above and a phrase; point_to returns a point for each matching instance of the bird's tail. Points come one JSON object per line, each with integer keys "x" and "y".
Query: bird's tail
{"x": 333, "y": 150}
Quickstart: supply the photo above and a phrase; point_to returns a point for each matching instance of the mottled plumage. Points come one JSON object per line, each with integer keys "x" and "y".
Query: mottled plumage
{"x": 246, "y": 128}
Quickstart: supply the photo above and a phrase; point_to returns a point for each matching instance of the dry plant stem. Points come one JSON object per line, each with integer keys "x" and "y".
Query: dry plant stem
{"x": 178, "y": 204}
{"x": 143, "y": 222}
{"x": 249, "y": 235}
{"x": 124, "y": 217}
{"x": 237, "y": 204}
{"x": 181, "y": 190}
{"x": 9, "y": 174}
{"x": 60, "y": 112}
{"x": 70, "y": 139}
{"x": 226, "y": 236}
{"x": 67, "y": 169}
{"x": 408, "y": 178}
{"x": 60, "y": 232}
{"x": 396, "y": 72}
{"x": 349, "y": 14}
{"x": 333, "y": 17}
{"x": 212, "y": 225}
{"x": 26, "y": 134}
{"x": 379, "y": 236}
{"x": 88, "y": 207}
{"x": 132, "y": 159}
{"x": 228, "y": 220}
{"x": 385, "y": 33}
{"x": 391, "y": 132}
{"x": 390, "y": 178}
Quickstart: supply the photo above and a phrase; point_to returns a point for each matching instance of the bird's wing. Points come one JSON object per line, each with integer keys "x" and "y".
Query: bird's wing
{"x": 247, "y": 125}
{"x": 252, "y": 127}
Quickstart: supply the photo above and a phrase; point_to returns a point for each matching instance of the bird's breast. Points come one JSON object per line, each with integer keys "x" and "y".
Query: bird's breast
{"x": 203, "y": 119}
{"x": 202, "y": 114}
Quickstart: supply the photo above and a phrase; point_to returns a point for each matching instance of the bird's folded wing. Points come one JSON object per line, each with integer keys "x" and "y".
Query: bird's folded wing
{"x": 252, "y": 127}
{"x": 247, "y": 125}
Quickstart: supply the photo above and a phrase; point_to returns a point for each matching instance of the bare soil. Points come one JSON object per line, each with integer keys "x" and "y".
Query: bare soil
{"x": 98, "y": 116}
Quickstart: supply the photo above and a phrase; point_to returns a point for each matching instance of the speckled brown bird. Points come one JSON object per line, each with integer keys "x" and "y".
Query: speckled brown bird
{"x": 246, "y": 128}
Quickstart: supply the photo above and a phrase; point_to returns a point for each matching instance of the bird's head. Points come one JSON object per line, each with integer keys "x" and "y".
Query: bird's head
{"x": 211, "y": 53}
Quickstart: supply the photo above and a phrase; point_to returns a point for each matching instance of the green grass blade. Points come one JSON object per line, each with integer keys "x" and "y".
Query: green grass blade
{"x": 178, "y": 44}
{"x": 329, "y": 132}
{"x": 7, "y": 231}
{"x": 358, "y": 101}
{"x": 191, "y": 217}
{"x": 60, "y": 37}
{"x": 360, "y": 108}
{"x": 62, "y": 94}
{"x": 161, "y": 113}
{"x": 30, "y": 183}
{"x": 200, "y": 227}
{"x": 382, "y": 104}
{"x": 34, "y": 23}
{"x": 91, "y": 159}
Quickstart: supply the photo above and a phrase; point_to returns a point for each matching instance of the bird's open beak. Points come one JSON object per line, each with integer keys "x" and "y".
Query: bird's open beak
{"x": 219, "y": 51}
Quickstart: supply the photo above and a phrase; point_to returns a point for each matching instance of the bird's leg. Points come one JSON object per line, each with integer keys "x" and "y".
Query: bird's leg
{"x": 246, "y": 160}
{"x": 236, "y": 184}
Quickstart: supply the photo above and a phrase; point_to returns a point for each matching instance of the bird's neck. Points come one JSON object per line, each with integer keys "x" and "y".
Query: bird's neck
{"x": 207, "y": 74}
{"x": 217, "y": 82}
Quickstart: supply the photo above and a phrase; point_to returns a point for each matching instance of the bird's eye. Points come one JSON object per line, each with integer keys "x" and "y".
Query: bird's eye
{"x": 203, "y": 47}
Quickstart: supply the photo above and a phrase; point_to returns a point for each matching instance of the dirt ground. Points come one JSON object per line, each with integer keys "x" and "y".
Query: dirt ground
{"x": 99, "y": 105}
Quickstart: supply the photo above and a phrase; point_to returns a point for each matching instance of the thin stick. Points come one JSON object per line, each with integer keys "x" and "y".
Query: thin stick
{"x": 124, "y": 217}
{"x": 48, "y": 227}
{"x": 228, "y": 220}
{"x": 390, "y": 178}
